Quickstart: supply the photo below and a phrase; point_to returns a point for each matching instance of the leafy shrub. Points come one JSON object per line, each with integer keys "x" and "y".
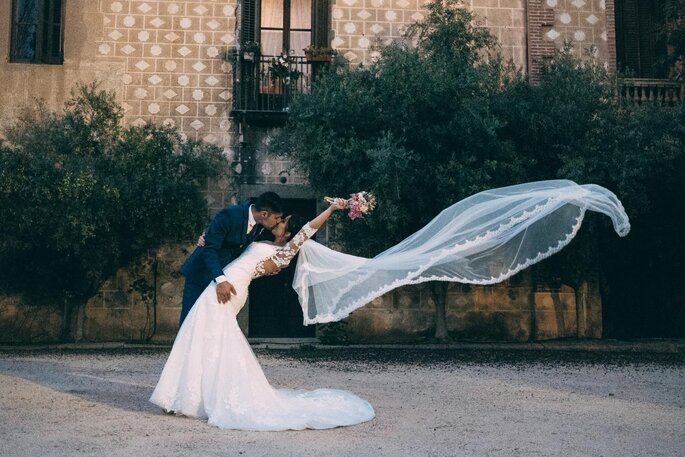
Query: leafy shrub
{"x": 80, "y": 195}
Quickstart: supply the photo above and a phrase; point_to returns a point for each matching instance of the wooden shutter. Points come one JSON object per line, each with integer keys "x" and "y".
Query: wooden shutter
{"x": 248, "y": 21}
{"x": 25, "y": 22}
{"x": 321, "y": 23}
{"x": 51, "y": 30}
{"x": 628, "y": 36}
{"x": 638, "y": 47}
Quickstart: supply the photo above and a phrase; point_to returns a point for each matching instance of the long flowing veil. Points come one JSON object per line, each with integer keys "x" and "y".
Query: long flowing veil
{"x": 483, "y": 239}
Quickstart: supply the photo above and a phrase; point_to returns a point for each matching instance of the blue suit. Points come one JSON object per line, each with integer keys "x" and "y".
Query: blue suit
{"x": 225, "y": 239}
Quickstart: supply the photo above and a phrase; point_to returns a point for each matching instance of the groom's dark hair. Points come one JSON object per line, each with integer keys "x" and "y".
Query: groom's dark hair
{"x": 269, "y": 201}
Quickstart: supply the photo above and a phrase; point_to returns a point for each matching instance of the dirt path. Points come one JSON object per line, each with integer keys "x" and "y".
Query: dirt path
{"x": 436, "y": 403}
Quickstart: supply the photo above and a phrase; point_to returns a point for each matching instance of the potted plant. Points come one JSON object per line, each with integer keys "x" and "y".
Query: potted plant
{"x": 281, "y": 72}
{"x": 319, "y": 54}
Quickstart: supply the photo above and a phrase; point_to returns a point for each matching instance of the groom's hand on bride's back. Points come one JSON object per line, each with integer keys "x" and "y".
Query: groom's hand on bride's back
{"x": 224, "y": 290}
{"x": 201, "y": 240}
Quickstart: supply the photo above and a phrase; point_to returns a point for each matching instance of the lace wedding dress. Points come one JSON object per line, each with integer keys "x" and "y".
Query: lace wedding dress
{"x": 213, "y": 374}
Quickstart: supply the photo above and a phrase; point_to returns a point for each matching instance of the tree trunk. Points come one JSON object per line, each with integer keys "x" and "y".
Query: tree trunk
{"x": 439, "y": 295}
{"x": 66, "y": 321}
{"x": 581, "y": 290}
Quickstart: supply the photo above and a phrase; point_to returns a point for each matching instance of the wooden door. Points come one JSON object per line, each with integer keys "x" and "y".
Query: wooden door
{"x": 274, "y": 308}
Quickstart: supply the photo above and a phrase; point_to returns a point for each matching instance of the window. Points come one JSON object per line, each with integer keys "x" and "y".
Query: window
{"x": 37, "y": 32}
{"x": 285, "y": 26}
{"x": 640, "y": 47}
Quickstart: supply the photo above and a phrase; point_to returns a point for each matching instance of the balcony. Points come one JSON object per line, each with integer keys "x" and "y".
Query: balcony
{"x": 661, "y": 91}
{"x": 260, "y": 95}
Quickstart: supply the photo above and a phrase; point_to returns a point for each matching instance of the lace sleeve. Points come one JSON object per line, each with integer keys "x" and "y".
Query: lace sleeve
{"x": 285, "y": 254}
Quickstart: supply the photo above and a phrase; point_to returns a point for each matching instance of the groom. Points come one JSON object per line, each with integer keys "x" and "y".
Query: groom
{"x": 231, "y": 230}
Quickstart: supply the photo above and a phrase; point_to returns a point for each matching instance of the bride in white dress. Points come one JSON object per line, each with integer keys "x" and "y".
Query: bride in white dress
{"x": 213, "y": 374}
{"x": 483, "y": 239}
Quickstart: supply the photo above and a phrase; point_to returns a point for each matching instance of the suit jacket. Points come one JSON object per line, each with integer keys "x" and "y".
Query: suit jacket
{"x": 225, "y": 239}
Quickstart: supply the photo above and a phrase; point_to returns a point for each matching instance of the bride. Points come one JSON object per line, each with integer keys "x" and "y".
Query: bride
{"x": 212, "y": 372}
{"x": 484, "y": 239}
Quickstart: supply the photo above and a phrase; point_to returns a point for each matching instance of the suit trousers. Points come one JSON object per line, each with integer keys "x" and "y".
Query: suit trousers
{"x": 191, "y": 292}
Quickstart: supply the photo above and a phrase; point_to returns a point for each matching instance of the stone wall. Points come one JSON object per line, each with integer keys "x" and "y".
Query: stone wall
{"x": 516, "y": 310}
{"x": 139, "y": 305}
{"x": 141, "y": 302}
{"x": 165, "y": 59}
{"x": 25, "y": 322}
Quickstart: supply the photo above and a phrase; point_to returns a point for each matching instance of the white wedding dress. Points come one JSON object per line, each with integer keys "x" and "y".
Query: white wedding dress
{"x": 213, "y": 374}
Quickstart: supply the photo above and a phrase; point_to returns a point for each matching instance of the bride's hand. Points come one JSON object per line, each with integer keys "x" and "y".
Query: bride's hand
{"x": 339, "y": 203}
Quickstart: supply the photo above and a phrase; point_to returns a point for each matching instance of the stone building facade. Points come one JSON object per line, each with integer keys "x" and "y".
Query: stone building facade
{"x": 177, "y": 62}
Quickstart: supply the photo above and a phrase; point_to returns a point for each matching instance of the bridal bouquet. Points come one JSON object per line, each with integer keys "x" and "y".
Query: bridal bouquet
{"x": 361, "y": 204}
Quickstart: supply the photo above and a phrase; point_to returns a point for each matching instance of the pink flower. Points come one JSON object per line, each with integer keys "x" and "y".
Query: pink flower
{"x": 361, "y": 203}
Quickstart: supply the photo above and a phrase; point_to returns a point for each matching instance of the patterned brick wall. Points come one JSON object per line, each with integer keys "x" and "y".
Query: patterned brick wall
{"x": 507, "y": 22}
{"x": 540, "y": 22}
{"x": 174, "y": 67}
{"x": 585, "y": 24}
{"x": 360, "y": 25}
{"x": 528, "y": 30}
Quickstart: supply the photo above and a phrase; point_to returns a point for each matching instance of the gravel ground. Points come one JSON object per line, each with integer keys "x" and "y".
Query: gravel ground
{"x": 449, "y": 402}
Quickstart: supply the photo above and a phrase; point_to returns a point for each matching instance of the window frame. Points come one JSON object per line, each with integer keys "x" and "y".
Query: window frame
{"x": 286, "y": 30}
{"x": 250, "y": 22}
{"x": 46, "y": 51}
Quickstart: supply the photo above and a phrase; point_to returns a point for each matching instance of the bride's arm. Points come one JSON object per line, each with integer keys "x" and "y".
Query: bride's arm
{"x": 318, "y": 221}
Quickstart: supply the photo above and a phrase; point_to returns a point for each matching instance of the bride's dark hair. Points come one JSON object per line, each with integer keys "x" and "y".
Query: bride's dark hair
{"x": 295, "y": 223}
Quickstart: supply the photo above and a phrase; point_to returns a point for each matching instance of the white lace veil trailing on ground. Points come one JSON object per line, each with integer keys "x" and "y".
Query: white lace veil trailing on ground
{"x": 483, "y": 239}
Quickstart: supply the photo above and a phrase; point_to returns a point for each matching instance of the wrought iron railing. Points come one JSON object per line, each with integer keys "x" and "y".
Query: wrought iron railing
{"x": 661, "y": 91}
{"x": 259, "y": 90}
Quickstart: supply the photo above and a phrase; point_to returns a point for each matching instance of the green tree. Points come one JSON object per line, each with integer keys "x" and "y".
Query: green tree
{"x": 416, "y": 128}
{"x": 81, "y": 196}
